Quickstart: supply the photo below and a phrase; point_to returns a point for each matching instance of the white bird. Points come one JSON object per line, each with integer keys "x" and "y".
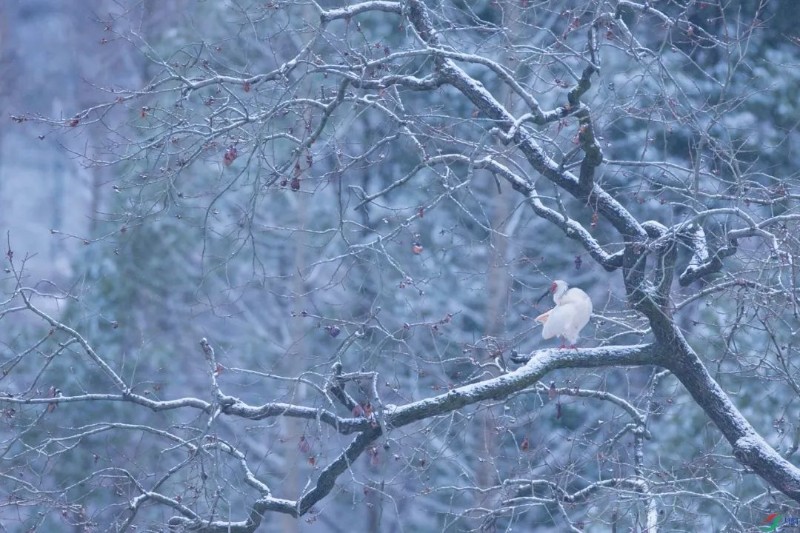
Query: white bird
{"x": 569, "y": 316}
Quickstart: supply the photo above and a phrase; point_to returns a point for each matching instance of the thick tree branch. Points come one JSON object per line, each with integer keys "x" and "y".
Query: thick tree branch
{"x": 356, "y": 9}
{"x": 474, "y": 90}
{"x": 571, "y": 228}
{"x": 702, "y": 262}
{"x": 748, "y": 446}
{"x": 539, "y": 365}
{"x": 665, "y": 256}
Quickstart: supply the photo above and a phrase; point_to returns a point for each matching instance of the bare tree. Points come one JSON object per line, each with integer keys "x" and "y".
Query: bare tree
{"x": 312, "y": 290}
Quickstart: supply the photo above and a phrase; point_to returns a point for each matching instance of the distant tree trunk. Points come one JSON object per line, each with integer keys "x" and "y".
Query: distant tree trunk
{"x": 5, "y": 52}
{"x": 374, "y": 505}
{"x": 294, "y": 364}
{"x": 496, "y": 308}
{"x": 497, "y": 278}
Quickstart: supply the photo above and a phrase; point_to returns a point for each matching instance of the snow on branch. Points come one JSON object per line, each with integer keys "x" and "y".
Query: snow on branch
{"x": 572, "y": 228}
{"x": 703, "y": 262}
{"x": 356, "y": 9}
{"x": 474, "y": 90}
{"x": 539, "y": 364}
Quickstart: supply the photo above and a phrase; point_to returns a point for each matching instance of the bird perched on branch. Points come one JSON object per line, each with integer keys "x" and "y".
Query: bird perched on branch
{"x": 569, "y": 316}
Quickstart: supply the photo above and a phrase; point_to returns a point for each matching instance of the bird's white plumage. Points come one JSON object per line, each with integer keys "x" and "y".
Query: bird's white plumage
{"x": 569, "y": 316}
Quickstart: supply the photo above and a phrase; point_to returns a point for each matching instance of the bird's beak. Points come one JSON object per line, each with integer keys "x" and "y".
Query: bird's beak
{"x": 543, "y": 295}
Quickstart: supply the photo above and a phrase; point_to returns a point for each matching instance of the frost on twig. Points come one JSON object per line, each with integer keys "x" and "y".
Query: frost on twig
{"x": 703, "y": 262}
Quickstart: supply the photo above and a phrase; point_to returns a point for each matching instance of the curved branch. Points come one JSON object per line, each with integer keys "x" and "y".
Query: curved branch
{"x": 342, "y": 425}
{"x": 572, "y": 229}
{"x": 702, "y": 264}
{"x": 538, "y": 366}
{"x": 474, "y": 90}
{"x": 748, "y": 446}
{"x": 356, "y": 9}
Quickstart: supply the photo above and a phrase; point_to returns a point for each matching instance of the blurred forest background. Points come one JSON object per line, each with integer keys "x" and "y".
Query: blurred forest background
{"x": 143, "y": 234}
